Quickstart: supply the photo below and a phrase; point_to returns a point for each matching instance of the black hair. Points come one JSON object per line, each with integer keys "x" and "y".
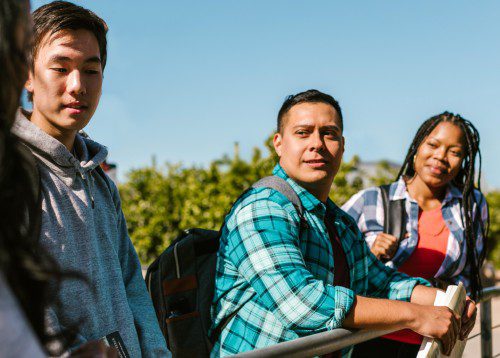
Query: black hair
{"x": 309, "y": 96}
{"x": 13, "y": 64}
{"x": 464, "y": 180}
{"x": 63, "y": 15}
{"x": 30, "y": 271}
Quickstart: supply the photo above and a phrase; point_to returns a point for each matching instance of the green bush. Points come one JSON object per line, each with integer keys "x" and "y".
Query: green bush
{"x": 161, "y": 202}
{"x": 493, "y": 199}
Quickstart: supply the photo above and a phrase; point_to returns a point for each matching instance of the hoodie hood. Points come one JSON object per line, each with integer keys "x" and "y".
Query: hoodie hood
{"x": 53, "y": 154}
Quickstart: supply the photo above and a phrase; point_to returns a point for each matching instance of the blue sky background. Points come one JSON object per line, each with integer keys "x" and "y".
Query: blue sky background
{"x": 186, "y": 79}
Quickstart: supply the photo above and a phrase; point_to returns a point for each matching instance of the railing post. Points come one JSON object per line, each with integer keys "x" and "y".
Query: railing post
{"x": 488, "y": 278}
{"x": 486, "y": 343}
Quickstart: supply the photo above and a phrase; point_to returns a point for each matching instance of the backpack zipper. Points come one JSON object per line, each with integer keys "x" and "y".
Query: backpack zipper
{"x": 177, "y": 269}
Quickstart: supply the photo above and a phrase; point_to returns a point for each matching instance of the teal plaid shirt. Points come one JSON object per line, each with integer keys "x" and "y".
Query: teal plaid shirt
{"x": 277, "y": 279}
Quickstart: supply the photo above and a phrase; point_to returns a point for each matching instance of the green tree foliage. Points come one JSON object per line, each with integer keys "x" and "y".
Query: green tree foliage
{"x": 161, "y": 202}
{"x": 385, "y": 174}
{"x": 343, "y": 187}
{"x": 493, "y": 199}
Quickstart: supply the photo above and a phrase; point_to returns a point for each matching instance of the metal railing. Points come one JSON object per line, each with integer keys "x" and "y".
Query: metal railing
{"x": 486, "y": 324}
{"x": 331, "y": 341}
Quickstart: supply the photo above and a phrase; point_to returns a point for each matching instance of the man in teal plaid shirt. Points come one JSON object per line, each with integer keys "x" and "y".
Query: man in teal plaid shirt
{"x": 281, "y": 277}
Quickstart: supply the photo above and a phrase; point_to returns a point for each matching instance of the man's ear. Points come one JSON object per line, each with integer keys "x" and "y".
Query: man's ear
{"x": 29, "y": 83}
{"x": 277, "y": 141}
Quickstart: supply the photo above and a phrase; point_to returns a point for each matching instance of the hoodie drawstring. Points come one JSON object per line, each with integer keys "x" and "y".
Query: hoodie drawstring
{"x": 90, "y": 186}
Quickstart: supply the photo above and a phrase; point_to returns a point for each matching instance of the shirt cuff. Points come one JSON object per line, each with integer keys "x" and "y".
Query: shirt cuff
{"x": 403, "y": 293}
{"x": 344, "y": 299}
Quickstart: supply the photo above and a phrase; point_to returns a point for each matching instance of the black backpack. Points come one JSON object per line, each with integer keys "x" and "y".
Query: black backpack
{"x": 181, "y": 283}
{"x": 394, "y": 215}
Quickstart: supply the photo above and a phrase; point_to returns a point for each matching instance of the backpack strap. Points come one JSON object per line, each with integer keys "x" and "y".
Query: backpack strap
{"x": 281, "y": 185}
{"x": 394, "y": 214}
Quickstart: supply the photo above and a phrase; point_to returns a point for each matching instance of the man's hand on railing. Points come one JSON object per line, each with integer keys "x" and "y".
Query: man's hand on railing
{"x": 437, "y": 322}
{"x": 468, "y": 318}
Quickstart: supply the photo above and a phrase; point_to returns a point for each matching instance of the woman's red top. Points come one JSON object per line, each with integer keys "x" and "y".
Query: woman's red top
{"x": 426, "y": 259}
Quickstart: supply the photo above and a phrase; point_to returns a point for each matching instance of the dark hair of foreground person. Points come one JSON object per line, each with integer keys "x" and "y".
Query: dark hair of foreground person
{"x": 31, "y": 273}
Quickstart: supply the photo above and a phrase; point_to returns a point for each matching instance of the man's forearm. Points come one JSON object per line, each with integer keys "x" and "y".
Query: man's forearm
{"x": 374, "y": 313}
{"x": 423, "y": 295}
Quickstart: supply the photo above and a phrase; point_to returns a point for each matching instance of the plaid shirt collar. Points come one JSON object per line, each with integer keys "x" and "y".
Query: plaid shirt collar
{"x": 399, "y": 192}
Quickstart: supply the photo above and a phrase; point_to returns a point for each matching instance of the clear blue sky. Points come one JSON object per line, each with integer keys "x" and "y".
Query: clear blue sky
{"x": 186, "y": 79}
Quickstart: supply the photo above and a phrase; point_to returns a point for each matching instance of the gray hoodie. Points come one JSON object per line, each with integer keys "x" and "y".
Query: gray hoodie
{"x": 84, "y": 228}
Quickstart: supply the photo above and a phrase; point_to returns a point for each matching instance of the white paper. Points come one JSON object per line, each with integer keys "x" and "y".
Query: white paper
{"x": 425, "y": 351}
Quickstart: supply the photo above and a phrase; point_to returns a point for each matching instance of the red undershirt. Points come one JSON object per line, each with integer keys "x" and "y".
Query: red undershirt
{"x": 341, "y": 275}
{"x": 426, "y": 259}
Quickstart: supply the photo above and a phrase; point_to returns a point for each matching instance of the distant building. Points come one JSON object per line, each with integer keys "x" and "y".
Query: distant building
{"x": 368, "y": 171}
{"x": 111, "y": 170}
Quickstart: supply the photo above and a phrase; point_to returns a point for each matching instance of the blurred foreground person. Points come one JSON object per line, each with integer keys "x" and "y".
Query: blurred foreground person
{"x": 444, "y": 217}
{"x": 82, "y": 224}
{"x": 282, "y": 276}
{"x": 29, "y": 276}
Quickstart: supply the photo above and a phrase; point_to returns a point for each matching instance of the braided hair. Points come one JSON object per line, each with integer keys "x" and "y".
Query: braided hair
{"x": 464, "y": 180}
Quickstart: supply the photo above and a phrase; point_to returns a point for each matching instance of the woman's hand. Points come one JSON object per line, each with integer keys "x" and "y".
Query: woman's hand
{"x": 468, "y": 318}
{"x": 437, "y": 322}
{"x": 385, "y": 246}
{"x": 95, "y": 349}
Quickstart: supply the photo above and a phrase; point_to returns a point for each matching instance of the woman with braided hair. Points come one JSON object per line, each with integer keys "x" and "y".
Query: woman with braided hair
{"x": 445, "y": 218}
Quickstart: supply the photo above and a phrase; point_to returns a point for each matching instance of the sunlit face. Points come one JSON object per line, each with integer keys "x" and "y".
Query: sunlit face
{"x": 311, "y": 146}
{"x": 440, "y": 155}
{"x": 67, "y": 80}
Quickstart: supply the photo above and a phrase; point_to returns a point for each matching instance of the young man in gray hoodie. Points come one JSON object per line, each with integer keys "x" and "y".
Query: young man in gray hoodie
{"x": 82, "y": 221}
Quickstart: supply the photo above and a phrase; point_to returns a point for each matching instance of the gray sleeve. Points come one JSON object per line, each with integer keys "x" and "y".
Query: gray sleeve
{"x": 148, "y": 330}
{"x": 17, "y": 339}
